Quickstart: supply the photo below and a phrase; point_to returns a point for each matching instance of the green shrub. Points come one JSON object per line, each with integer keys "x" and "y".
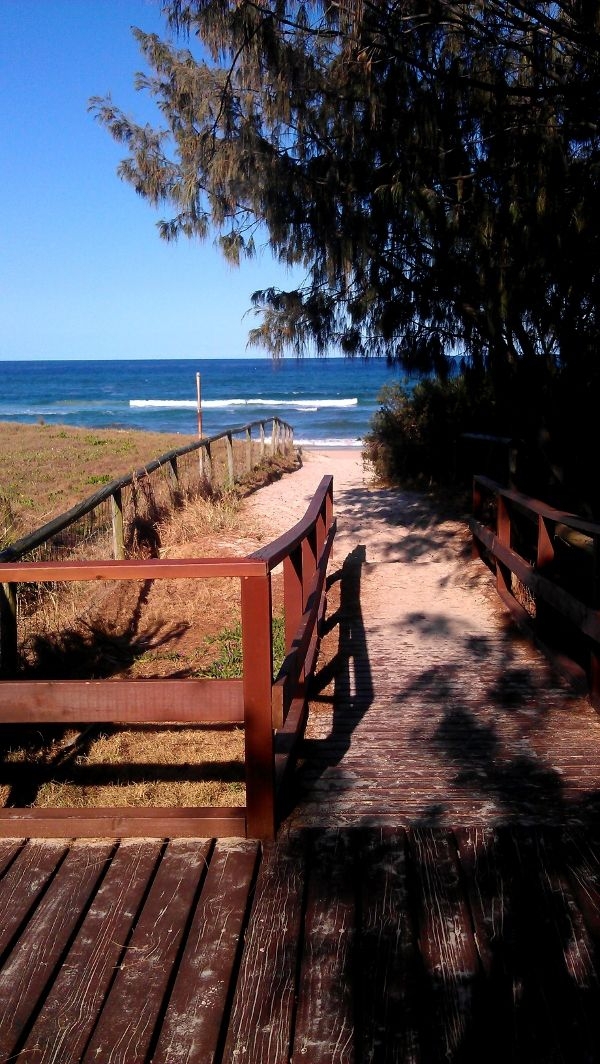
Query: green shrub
{"x": 414, "y": 434}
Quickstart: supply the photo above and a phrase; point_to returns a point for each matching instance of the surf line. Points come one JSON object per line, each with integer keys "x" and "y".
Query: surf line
{"x": 215, "y": 404}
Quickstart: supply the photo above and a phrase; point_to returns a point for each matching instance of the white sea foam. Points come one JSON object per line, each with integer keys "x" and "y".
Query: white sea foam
{"x": 329, "y": 444}
{"x": 221, "y": 404}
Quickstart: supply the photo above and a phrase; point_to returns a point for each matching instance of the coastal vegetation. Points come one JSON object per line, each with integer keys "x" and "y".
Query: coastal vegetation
{"x": 45, "y": 469}
{"x": 430, "y": 170}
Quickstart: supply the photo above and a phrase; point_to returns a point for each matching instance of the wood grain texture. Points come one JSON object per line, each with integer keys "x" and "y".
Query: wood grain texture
{"x": 325, "y": 1021}
{"x": 126, "y": 822}
{"x": 66, "y": 1021}
{"x": 121, "y": 701}
{"x": 127, "y": 1025}
{"x": 24, "y": 882}
{"x": 197, "y": 1013}
{"x": 261, "y": 1024}
{"x": 35, "y": 960}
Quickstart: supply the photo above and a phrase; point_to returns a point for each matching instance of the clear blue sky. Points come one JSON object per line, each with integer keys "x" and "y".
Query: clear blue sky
{"x": 83, "y": 272}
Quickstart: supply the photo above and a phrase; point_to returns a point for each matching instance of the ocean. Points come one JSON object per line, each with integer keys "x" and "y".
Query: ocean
{"x": 329, "y": 402}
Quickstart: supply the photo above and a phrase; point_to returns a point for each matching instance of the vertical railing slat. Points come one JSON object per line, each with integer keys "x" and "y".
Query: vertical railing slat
{"x": 118, "y": 534}
{"x": 8, "y": 630}
{"x": 257, "y": 650}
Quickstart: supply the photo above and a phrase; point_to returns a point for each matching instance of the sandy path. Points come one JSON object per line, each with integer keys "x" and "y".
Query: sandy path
{"x": 431, "y": 709}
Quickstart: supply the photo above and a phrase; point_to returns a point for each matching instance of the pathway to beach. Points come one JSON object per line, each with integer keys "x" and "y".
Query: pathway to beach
{"x": 430, "y": 708}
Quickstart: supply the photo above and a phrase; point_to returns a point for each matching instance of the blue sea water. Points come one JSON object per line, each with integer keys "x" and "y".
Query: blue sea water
{"x": 328, "y": 401}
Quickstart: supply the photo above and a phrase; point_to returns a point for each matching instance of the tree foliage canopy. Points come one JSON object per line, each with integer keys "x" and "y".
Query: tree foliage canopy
{"x": 432, "y": 166}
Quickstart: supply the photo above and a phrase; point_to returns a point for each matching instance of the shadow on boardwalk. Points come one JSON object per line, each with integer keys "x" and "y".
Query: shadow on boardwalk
{"x": 456, "y": 908}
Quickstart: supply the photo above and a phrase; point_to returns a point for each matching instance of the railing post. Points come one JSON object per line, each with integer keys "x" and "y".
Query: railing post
{"x": 262, "y": 440}
{"x": 249, "y": 449}
{"x": 309, "y": 563}
{"x": 257, "y": 650}
{"x": 207, "y": 464}
{"x": 329, "y": 506}
{"x": 230, "y": 465}
{"x": 118, "y": 534}
{"x": 544, "y": 614}
{"x": 477, "y": 512}
{"x": 503, "y": 532}
{"x": 595, "y": 649}
{"x": 274, "y": 438}
{"x": 8, "y": 630}
{"x": 293, "y": 595}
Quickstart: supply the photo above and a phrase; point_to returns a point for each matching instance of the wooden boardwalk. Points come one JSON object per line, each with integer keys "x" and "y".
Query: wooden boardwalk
{"x": 433, "y": 894}
{"x": 341, "y": 945}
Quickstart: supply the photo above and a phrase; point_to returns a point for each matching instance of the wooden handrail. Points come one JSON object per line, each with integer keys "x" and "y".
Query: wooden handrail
{"x": 262, "y": 704}
{"x": 275, "y": 552}
{"x": 538, "y": 574}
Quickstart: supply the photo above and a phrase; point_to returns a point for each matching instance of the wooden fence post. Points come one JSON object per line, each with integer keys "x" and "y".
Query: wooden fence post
{"x": 595, "y": 649}
{"x": 477, "y": 512}
{"x": 262, "y": 440}
{"x": 230, "y": 465}
{"x": 249, "y": 449}
{"x": 173, "y": 473}
{"x": 545, "y": 617}
{"x": 309, "y": 563}
{"x": 206, "y": 467}
{"x": 293, "y": 595}
{"x": 8, "y": 630}
{"x": 257, "y": 650}
{"x": 503, "y": 532}
{"x": 274, "y": 438}
{"x": 116, "y": 506}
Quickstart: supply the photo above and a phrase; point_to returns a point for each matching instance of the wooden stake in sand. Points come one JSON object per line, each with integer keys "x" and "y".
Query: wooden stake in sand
{"x": 199, "y": 405}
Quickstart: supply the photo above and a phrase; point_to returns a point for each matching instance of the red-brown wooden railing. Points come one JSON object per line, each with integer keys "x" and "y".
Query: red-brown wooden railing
{"x": 555, "y": 556}
{"x": 273, "y": 711}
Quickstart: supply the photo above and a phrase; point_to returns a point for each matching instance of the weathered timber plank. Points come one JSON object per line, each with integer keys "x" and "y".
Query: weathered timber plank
{"x": 582, "y": 865}
{"x": 68, "y": 1016}
{"x": 24, "y": 881}
{"x": 325, "y": 1021}
{"x": 488, "y": 877}
{"x": 385, "y": 977}
{"x": 33, "y": 963}
{"x": 563, "y": 951}
{"x": 196, "y": 822}
{"x": 447, "y": 948}
{"x": 9, "y": 849}
{"x": 128, "y": 1020}
{"x": 198, "y": 1007}
{"x": 261, "y": 1023}
{"x": 120, "y": 701}
{"x": 150, "y": 569}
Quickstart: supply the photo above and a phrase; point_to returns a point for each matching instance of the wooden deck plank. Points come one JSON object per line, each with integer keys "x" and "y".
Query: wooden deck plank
{"x": 385, "y": 977}
{"x": 34, "y": 961}
{"x": 136, "y": 1000}
{"x": 65, "y": 1023}
{"x": 325, "y": 1022}
{"x": 9, "y": 848}
{"x": 562, "y": 951}
{"x": 193, "y": 1028}
{"x": 450, "y": 961}
{"x": 261, "y": 1024}
{"x": 20, "y": 887}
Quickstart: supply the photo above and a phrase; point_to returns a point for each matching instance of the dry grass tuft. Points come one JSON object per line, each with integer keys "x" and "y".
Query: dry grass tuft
{"x": 162, "y": 766}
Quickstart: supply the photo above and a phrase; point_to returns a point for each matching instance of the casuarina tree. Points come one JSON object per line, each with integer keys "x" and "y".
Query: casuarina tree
{"x": 430, "y": 168}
